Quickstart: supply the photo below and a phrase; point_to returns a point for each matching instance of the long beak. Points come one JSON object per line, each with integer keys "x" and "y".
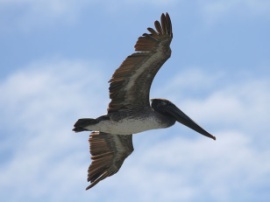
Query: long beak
{"x": 184, "y": 119}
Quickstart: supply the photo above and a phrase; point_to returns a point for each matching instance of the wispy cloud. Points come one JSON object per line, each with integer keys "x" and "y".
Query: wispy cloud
{"x": 240, "y": 102}
{"x": 213, "y": 11}
{"x": 203, "y": 169}
{"x": 27, "y": 14}
{"x": 39, "y": 106}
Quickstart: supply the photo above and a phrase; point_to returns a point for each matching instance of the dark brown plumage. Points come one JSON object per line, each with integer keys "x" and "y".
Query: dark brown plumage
{"x": 152, "y": 50}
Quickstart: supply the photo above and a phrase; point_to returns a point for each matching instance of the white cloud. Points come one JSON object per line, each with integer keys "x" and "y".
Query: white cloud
{"x": 213, "y": 11}
{"x": 44, "y": 160}
{"x": 240, "y": 103}
{"x": 151, "y": 2}
{"x": 202, "y": 168}
{"x": 39, "y": 107}
{"x": 54, "y": 7}
{"x": 240, "y": 106}
{"x": 26, "y": 14}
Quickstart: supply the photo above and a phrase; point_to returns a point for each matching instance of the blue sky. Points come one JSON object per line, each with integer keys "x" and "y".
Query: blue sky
{"x": 57, "y": 58}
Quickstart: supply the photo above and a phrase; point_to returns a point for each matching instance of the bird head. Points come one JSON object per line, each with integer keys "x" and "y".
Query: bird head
{"x": 167, "y": 108}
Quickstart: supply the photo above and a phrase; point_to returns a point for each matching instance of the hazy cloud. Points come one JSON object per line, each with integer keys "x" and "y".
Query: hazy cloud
{"x": 26, "y": 14}
{"x": 213, "y": 11}
{"x": 39, "y": 106}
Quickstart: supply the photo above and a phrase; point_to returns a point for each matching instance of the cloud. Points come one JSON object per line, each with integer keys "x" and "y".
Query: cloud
{"x": 200, "y": 169}
{"x": 213, "y": 11}
{"x": 239, "y": 103}
{"x": 28, "y": 14}
{"x": 56, "y": 7}
{"x": 40, "y": 104}
{"x": 42, "y": 159}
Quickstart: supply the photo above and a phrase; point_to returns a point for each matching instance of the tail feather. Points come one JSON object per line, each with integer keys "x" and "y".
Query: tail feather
{"x": 82, "y": 123}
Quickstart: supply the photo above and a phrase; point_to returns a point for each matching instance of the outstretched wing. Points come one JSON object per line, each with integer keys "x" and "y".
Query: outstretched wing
{"x": 131, "y": 82}
{"x": 108, "y": 154}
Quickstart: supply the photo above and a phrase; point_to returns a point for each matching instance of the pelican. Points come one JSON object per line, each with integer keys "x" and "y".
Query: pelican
{"x": 129, "y": 111}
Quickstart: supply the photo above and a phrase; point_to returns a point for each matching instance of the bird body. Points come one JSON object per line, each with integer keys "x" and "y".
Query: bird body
{"x": 129, "y": 111}
{"x": 128, "y": 125}
{"x": 127, "y": 122}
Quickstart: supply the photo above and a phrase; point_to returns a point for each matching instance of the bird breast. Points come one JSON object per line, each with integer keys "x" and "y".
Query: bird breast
{"x": 130, "y": 125}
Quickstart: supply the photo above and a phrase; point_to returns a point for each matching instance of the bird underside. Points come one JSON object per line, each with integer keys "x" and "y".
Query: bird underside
{"x": 128, "y": 125}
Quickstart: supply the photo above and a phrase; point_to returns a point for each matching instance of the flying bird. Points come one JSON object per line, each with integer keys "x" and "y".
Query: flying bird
{"x": 129, "y": 111}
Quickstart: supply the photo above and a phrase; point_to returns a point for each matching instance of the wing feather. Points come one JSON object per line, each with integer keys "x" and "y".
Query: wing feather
{"x": 131, "y": 82}
{"x": 152, "y": 31}
{"x": 158, "y": 27}
{"x": 108, "y": 154}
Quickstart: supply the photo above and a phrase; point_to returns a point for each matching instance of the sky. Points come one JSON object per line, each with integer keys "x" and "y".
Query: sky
{"x": 56, "y": 59}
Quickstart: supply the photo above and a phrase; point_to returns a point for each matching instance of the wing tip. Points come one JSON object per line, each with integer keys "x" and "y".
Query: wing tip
{"x": 166, "y": 23}
{"x": 163, "y": 28}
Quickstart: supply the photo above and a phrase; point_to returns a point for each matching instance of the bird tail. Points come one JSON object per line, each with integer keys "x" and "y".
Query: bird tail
{"x": 82, "y": 123}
